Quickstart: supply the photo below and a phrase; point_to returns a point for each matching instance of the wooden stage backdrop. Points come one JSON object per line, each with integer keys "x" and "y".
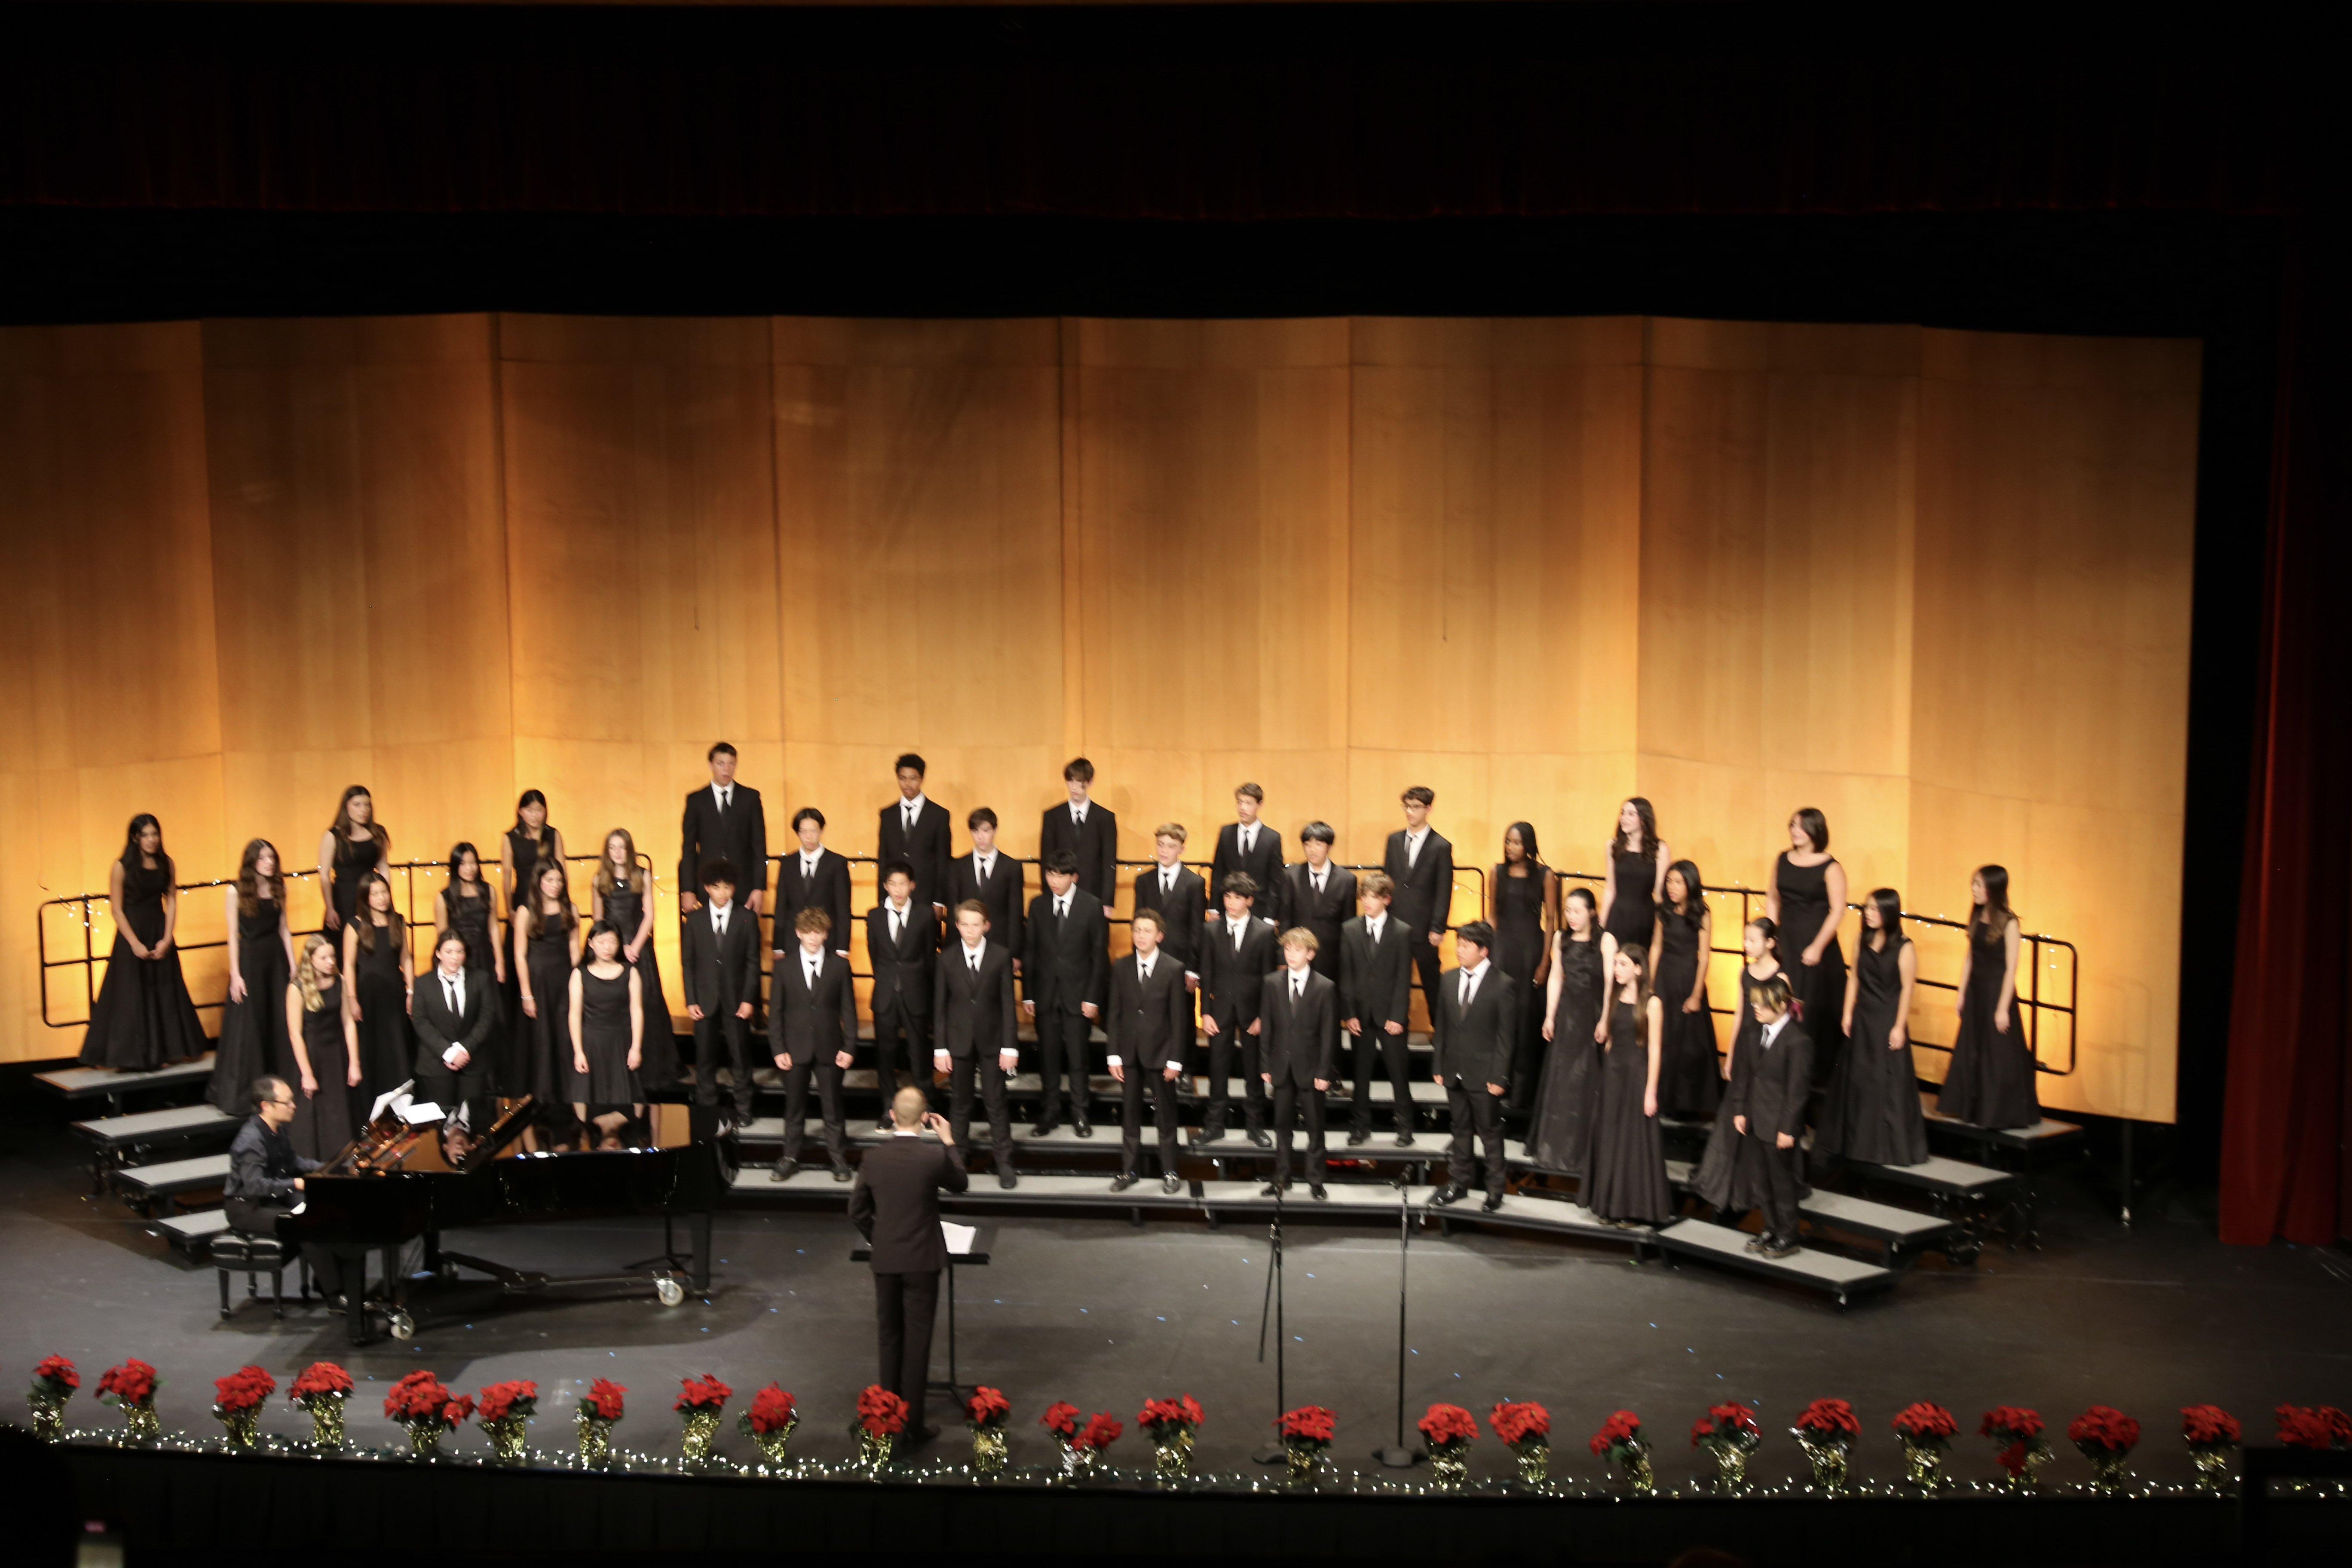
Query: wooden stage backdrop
{"x": 1935, "y": 583}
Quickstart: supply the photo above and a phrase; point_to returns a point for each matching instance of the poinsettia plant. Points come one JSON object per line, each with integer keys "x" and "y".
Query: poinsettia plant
{"x": 2209, "y": 1427}
{"x": 881, "y": 1411}
{"x": 2308, "y": 1427}
{"x": 772, "y": 1410}
{"x": 54, "y": 1380}
{"x": 319, "y": 1381}
{"x": 604, "y": 1401}
{"x": 1927, "y": 1425}
{"x": 1447, "y": 1427}
{"x": 2103, "y": 1431}
{"x": 1731, "y": 1427}
{"x": 987, "y": 1410}
{"x": 1309, "y": 1426}
{"x": 1100, "y": 1433}
{"x": 242, "y": 1390}
{"x": 1620, "y": 1437}
{"x": 704, "y": 1392}
{"x": 1061, "y": 1418}
{"x": 133, "y": 1383}
{"x": 2017, "y": 1437}
{"x": 1521, "y": 1422}
{"x": 1165, "y": 1420}
{"x": 516, "y": 1399}
{"x": 1827, "y": 1421}
{"x": 420, "y": 1400}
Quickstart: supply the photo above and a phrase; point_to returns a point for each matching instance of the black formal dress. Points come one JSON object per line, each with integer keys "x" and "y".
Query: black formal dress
{"x": 253, "y": 1031}
{"x": 1690, "y": 1078}
{"x": 1872, "y": 1111}
{"x": 605, "y": 1024}
{"x": 1633, "y": 910}
{"x": 895, "y": 1205}
{"x": 1818, "y": 988}
{"x": 387, "y": 1046}
{"x": 1518, "y": 948}
{"x": 1625, "y": 1167}
{"x": 323, "y": 1121}
{"x": 1991, "y": 1080}
{"x": 474, "y": 918}
{"x": 144, "y": 1015}
{"x": 355, "y": 859}
{"x": 1570, "y": 1095}
{"x": 1721, "y": 1178}
{"x": 657, "y": 1067}
{"x": 547, "y": 1039}
{"x": 525, "y": 851}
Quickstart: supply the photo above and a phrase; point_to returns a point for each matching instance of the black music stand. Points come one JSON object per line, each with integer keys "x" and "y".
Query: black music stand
{"x": 975, "y": 1257}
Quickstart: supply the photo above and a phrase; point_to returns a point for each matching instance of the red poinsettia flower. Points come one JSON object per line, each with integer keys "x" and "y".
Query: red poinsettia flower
{"x": 2104, "y": 1428}
{"x": 704, "y": 1392}
{"x": 132, "y": 1382}
{"x": 320, "y": 1379}
{"x": 455, "y": 1413}
{"x": 881, "y": 1411}
{"x": 2209, "y": 1425}
{"x": 419, "y": 1396}
{"x": 772, "y": 1410}
{"x": 2010, "y": 1423}
{"x": 1446, "y": 1425}
{"x": 2013, "y": 1458}
{"x": 1181, "y": 1414}
{"x": 243, "y": 1389}
{"x": 987, "y": 1408}
{"x": 1826, "y": 1420}
{"x": 55, "y": 1378}
{"x": 2301, "y": 1427}
{"x": 1100, "y": 1433}
{"x": 1308, "y": 1424}
{"x": 1925, "y": 1422}
{"x": 1520, "y": 1421}
{"x": 604, "y": 1401}
{"x": 1061, "y": 1418}
{"x": 1622, "y": 1428}
{"x": 500, "y": 1400}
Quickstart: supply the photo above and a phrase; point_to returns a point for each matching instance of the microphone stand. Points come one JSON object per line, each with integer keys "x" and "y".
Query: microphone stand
{"x": 1271, "y": 1451}
{"x": 1397, "y": 1457}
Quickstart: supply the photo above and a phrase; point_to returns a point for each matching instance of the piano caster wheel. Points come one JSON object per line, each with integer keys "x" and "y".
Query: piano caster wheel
{"x": 670, "y": 1291}
{"x": 402, "y": 1326}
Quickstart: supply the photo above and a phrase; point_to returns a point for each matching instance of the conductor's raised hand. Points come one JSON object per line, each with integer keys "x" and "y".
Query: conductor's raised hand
{"x": 938, "y": 1124}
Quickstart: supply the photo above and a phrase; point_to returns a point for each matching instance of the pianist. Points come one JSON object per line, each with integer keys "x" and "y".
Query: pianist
{"x": 265, "y": 1175}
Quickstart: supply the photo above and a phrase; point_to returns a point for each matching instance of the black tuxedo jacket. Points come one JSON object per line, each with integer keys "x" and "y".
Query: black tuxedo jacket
{"x": 1376, "y": 983}
{"x": 1298, "y": 1041}
{"x": 811, "y": 1025}
{"x": 1425, "y": 890}
{"x": 740, "y": 834}
{"x": 721, "y": 972}
{"x": 827, "y": 891}
{"x": 1005, "y": 894}
{"x": 1068, "y": 961}
{"x": 902, "y": 970}
{"x": 1477, "y": 1047}
{"x": 1095, "y": 846}
{"x": 926, "y": 849}
{"x": 1186, "y": 905}
{"x": 1772, "y": 1092}
{"x": 1229, "y": 980}
{"x": 437, "y": 1028}
{"x": 974, "y": 1013}
{"x": 1264, "y": 864}
{"x": 1149, "y": 1022}
{"x": 895, "y": 1204}
{"x": 1323, "y": 916}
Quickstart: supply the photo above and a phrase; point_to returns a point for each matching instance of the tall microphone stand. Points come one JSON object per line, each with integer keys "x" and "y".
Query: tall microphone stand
{"x": 1397, "y": 1455}
{"x": 1271, "y": 1451}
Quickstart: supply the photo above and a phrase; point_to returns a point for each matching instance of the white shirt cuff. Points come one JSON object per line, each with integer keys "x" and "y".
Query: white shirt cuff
{"x": 1113, "y": 1061}
{"x": 448, "y": 1056}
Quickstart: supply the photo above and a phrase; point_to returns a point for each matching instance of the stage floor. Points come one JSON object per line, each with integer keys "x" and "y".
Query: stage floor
{"x": 1105, "y": 1313}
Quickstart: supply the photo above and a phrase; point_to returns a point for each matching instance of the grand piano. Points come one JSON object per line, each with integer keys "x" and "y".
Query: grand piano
{"x": 397, "y": 1182}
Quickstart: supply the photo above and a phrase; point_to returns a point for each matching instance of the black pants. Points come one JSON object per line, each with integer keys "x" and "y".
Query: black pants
{"x": 1232, "y": 1039}
{"x": 1290, "y": 1097}
{"x": 962, "y": 1072}
{"x": 889, "y": 1020}
{"x": 1784, "y": 1175}
{"x": 470, "y": 1089}
{"x": 1429, "y": 963}
{"x": 243, "y": 1214}
{"x": 904, "y": 1306}
{"x": 1472, "y": 1110}
{"x": 722, "y": 1039}
{"x": 1376, "y": 1046}
{"x": 828, "y": 1098}
{"x": 1062, "y": 1041}
{"x": 1152, "y": 1078}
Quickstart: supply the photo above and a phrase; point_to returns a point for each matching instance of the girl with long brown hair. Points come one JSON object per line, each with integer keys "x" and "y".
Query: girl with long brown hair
{"x": 253, "y": 1041}
{"x": 1625, "y": 1179}
{"x": 144, "y": 1015}
{"x": 376, "y": 957}
{"x": 326, "y": 1051}
{"x": 623, "y": 897}
{"x": 353, "y": 845}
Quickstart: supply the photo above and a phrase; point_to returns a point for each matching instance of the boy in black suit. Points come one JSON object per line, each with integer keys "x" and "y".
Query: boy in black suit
{"x": 811, "y": 1029}
{"x": 1149, "y": 1024}
{"x": 1419, "y": 861}
{"x": 1320, "y": 896}
{"x": 1474, "y": 1014}
{"x": 812, "y": 878}
{"x": 1088, "y": 830}
{"x": 996, "y": 880}
{"x": 902, "y": 939}
{"x": 724, "y": 821}
{"x": 722, "y": 981}
{"x": 1175, "y": 891}
{"x": 1768, "y": 1111}
{"x": 1301, "y": 1013}
{"x": 915, "y": 829}
{"x": 1376, "y": 1003}
{"x": 1236, "y": 954}
{"x": 1251, "y": 847}
{"x": 1063, "y": 986}
{"x": 973, "y": 1001}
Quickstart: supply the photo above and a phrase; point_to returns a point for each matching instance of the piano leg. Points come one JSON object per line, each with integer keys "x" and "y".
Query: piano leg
{"x": 699, "y": 1229}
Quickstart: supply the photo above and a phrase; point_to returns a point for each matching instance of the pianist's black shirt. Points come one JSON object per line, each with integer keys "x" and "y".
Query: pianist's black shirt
{"x": 262, "y": 1165}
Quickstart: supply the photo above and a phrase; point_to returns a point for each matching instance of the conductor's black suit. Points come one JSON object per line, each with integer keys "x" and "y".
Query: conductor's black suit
{"x": 895, "y": 1205}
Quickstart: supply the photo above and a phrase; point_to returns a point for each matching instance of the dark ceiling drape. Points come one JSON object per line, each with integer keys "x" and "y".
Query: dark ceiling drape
{"x": 1338, "y": 112}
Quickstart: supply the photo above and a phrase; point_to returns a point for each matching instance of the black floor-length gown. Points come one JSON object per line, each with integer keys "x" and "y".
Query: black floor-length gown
{"x": 473, "y": 918}
{"x": 1625, "y": 1166}
{"x": 658, "y": 1065}
{"x": 1819, "y": 989}
{"x": 1728, "y": 1184}
{"x": 1634, "y": 910}
{"x": 1569, "y": 1096}
{"x": 547, "y": 1039}
{"x": 253, "y": 1031}
{"x": 1690, "y": 1078}
{"x": 355, "y": 859}
{"x": 144, "y": 1015}
{"x": 323, "y": 1123}
{"x": 604, "y": 1040}
{"x": 1991, "y": 1080}
{"x": 387, "y": 1044}
{"x": 1518, "y": 948}
{"x": 1872, "y": 1111}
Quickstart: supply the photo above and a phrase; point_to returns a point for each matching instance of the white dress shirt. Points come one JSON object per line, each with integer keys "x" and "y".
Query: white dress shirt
{"x": 1062, "y": 904}
{"x": 718, "y": 919}
{"x": 1240, "y": 928}
{"x": 453, "y": 988}
{"x": 1247, "y": 838}
{"x": 983, "y": 866}
{"x": 1470, "y": 979}
{"x": 1412, "y": 840}
{"x": 910, "y": 810}
{"x": 973, "y": 953}
{"x": 1772, "y": 1031}
{"x": 812, "y": 965}
{"x": 897, "y": 920}
{"x": 1373, "y": 925}
{"x": 1079, "y": 813}
{"x": 723, "y": 794}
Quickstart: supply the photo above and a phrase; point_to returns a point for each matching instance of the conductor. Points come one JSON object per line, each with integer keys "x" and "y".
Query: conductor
{"x": 895, "y": 1206}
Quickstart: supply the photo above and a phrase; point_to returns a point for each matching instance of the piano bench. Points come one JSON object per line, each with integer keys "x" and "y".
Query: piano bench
{"x": 251, "y": 1254}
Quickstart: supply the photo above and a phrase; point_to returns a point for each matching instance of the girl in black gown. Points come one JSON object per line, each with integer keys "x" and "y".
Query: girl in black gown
{"x": 1637, "y": 875}
{"x": 1690, "y": 1080}
{"x": 1990, "y": 1079}
{"x": 546, "y": 931}
{"x": 1872, "y": 1111}
{"x": 1520, "y": 903}
{"x": 530, "y": 840}
{"x": 466, "y": 905}
{"x": 1730, "y": 1186}
{"x": 1569, "y": 1094}
{"x": 376, "y": 964}
{"x": 624, "y": 900}
{"x": 144, "y": 1015}
{"x": 1624, "y": 1178}
{"x": 326, "y": 1052}
{"x": 607, "y": 1039}
{"x": 1807, "y": 897}
{"x": 353, "y": 845}
{"x": 253, "y": 1041}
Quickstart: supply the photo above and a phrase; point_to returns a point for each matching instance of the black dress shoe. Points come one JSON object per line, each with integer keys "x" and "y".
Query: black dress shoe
{"x": 1274, "y": 1189}
{"x": 841, "y": 1170}
{"x": 1171, "y": 1182}
{"x": 1757, "y": 1243}
{"x": 1208, "y": 1135}
{"x": 1005, "y": 1178}
{"x": 1360, "y": 1135}
{"x": 1123, "y": 1181}
{"x": 784, "y": 1169}
{"x": 1261, "y": 1137}
{"x": 1782, "y": 1246}
{"x": 1404, "y": 1139}
{"x": 1315, "y": 1190}
{"x": 742, "y": 1116}
{"x": 1045, "y": 1130}
{"x": 1082, "y": 1127}
{"x": 1450, "y": 1195}
{"x": 1493, "y": 1201}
